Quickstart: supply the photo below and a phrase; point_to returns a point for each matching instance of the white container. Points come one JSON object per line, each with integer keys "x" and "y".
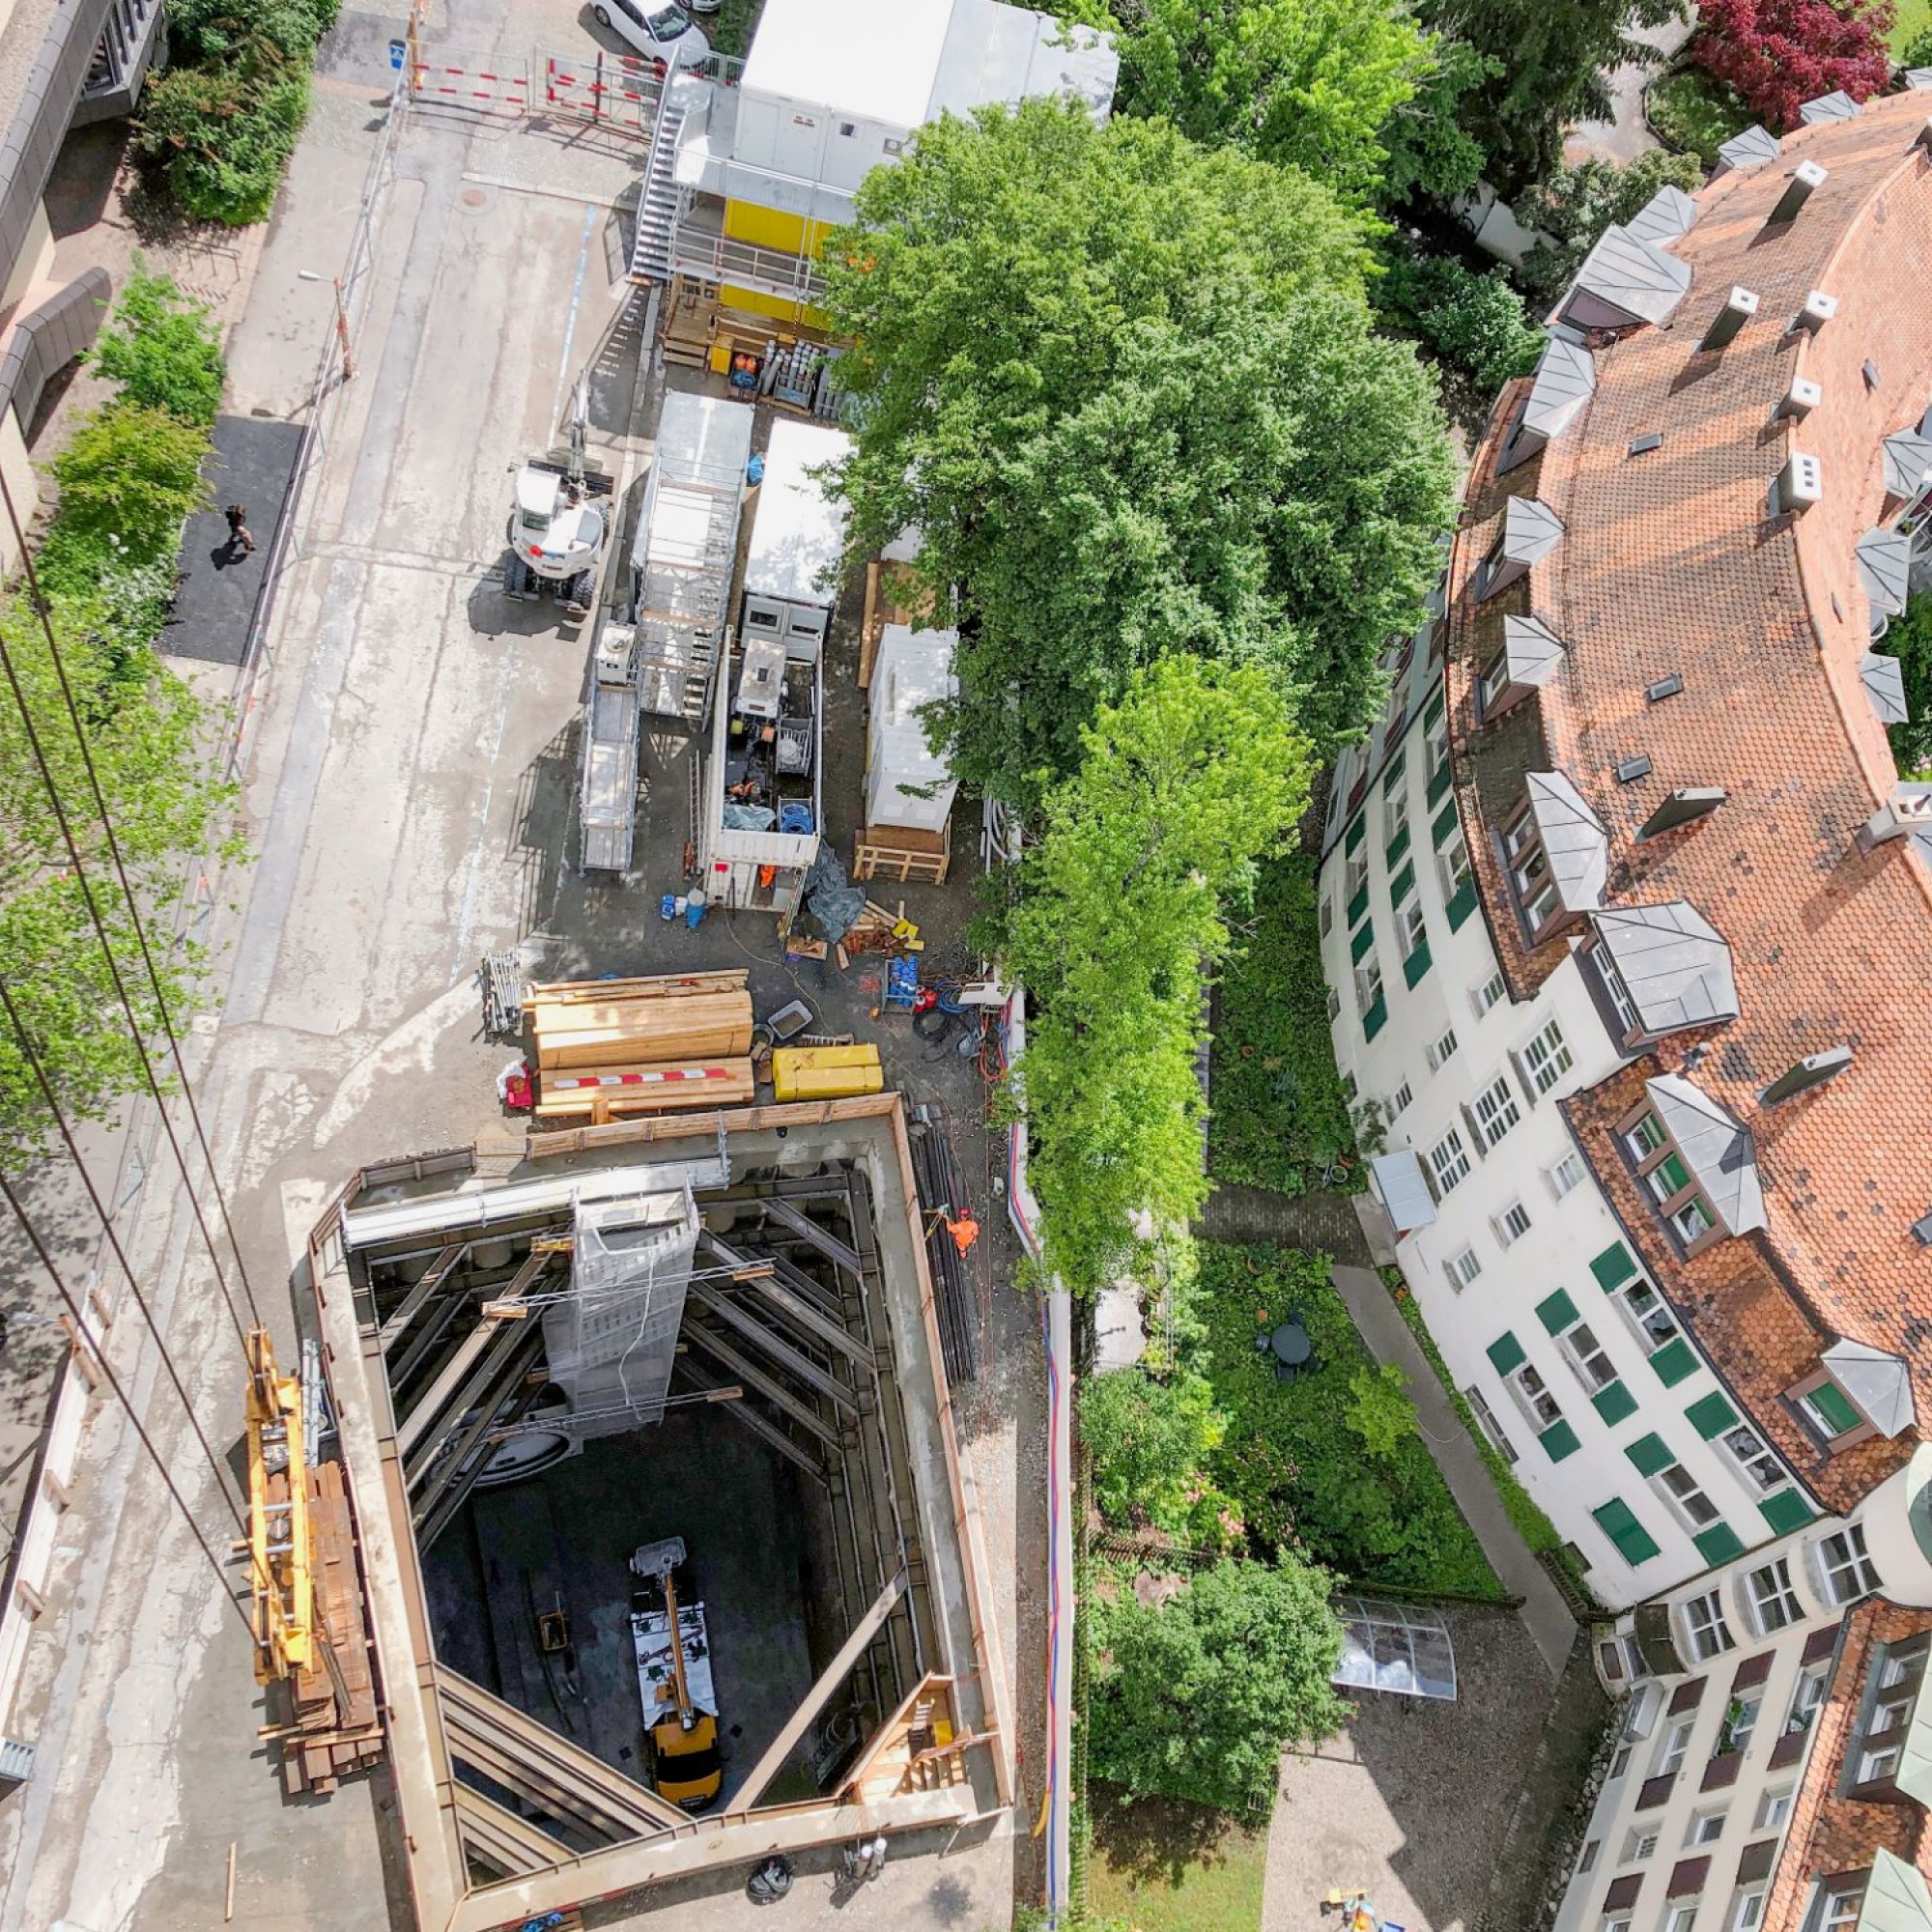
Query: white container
{"x": 907, "y": 784}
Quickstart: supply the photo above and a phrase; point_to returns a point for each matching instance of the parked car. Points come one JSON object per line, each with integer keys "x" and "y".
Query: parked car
{"x": 660, "y": 32}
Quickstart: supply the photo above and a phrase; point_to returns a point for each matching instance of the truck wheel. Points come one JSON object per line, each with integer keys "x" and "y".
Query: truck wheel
{"x": 581, "y": 588}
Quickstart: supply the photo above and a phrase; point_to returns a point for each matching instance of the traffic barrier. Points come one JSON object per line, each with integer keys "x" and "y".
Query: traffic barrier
{"x": 606, "y": 88}
{"x": 471, "y": 87}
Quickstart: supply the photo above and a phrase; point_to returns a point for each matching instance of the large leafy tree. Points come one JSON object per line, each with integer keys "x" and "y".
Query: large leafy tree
{"x": 1198, "y": 1698}
{"x": 1576, "y": 203}
{"x": 1553, "y": 56}
{"x": 1128, "y": 394}
{"x": 1120, "y": 915}
{"x": 1778, "y": 54}
{"x": 1309, "y": 83}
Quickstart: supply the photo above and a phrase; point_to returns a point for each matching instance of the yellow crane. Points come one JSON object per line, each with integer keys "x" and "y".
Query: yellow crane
{"x": 280, "y": 1552}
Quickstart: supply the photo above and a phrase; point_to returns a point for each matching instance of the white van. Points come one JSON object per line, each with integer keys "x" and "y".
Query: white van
{"x": 659, "y": 29}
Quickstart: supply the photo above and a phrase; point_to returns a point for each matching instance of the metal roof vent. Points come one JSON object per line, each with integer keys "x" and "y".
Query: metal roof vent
{"x": 1664, "y": 687}
{"x": 1837, "y": 105}
{"x": 1813, "y": 1070}
{"x": 1632, "y": 768}
{"x": 1681, "y": 807}
{"x": 1819, "y": 308}
{"x": 1751, "y": 148}
{"x": 1738, "y": 309}
{"x": 1922, "y": 1229}
{"x": 1868, "y": 369}
{"x": 1804, "y": 180}
{"x": 1799, "y": 400}
{"x": 1797, "y": 486}
{"x": 1908, "y": 811}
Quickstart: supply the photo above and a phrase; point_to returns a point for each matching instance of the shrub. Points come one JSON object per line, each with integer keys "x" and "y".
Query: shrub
{"x": 1778, "y": 54}
{"x": 1278, "y": 1104}
{"x": 204, "y": 32}
{"x": 128, "y": 481}
{"x": 1196, "y": 1698}
{"x": 162, "y": 349}
{"x": 1908, "y": 638}
{"x": 1917, "y": 51}
{"x": 1149, "y": 1439}
{"x": 220, "y": 136}
{"x": 1575, "y": 205}
{"x": 1331, "y": 1463}
{"x": 1473, "y": 320}
{"x": 1693, "y": 113}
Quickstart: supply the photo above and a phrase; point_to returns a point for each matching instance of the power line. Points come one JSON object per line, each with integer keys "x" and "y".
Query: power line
{"x": 114, "y": 1241}
{"x": 114, "y": 967}
{"x": 121, "y": 1394}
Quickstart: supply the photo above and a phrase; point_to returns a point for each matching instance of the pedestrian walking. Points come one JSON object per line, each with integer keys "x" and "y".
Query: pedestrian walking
{"x": 237, "y": 528}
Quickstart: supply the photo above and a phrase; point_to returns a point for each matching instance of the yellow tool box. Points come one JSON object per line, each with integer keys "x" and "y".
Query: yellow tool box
{"x": 825, "y": 1072}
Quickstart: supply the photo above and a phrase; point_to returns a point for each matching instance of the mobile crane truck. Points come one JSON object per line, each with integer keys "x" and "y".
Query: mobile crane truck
{"x": 674, "y": 1681}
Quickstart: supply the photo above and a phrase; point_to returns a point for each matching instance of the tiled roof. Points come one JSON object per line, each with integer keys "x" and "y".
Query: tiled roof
{"x": 1672, "y": 562}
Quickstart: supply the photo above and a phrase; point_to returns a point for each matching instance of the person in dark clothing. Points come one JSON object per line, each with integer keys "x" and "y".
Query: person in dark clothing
{"x": 238, "y": 529}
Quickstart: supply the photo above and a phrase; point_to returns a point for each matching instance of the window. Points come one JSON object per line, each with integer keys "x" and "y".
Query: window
{"x": 1546, "y": 1057}
{"x": 1512, "y": 1224}
{"x": 1616, "y": 1925}
{"x": 1807, "y": 1694}
{"x": 1679, "y": 1489}
{"x": 1774, "y": 1808}
{"x": 1367, "y": 983}
{"x": 1452, "y": 864}
{"x": 1840, "y": 1901}
{"x": 1327, "y": 916}
{"x": 1848, "y": 1571}
{"x": 1774, "y": 1603}
{"x": 1449, "y": 1161}
{"x": 1667, "y": 1177}
{"x": 1359, "y": 872}
{"x": 1706, "y": 1829}
{"x": 1487, "y": 994}
{"x": 1638, "y": 1846}
{"x": 1441, "y": 1051}
{"x": 1676, "y": 1748}
{"x": 1621, "y": 1762}
{"x": 1349, "y": 1088}
{"x": 1618, "y": 995}
{"x": 1653, "y": 1321}
{"x": 1747, "y": 1910}
{"x": 1741, "y": 1720}
{"x": 1621, "y": 1659}
{"x": 1681, "y": 1916}
{"x": 1399, "y": 1099}
{"x": 848, "y": 129}
{"x": 1704, "y": 1622}
{"x": 1395, "y": 803}
{"x": 1594, "y": 1369}
{"x": 1531, "y": 876}
{"x": 1436, "y": 755}
{"x": 1829, "y": 1411}
{"x": 1533, "y": 1397}
{"x": 1895, "y": 1693}
{"x": 1568, "y": 1173}
{"x": 1494, "y": 682}
{"x": 1461, "y": 1269}
{"x": 1486, "y": 1416}
{"x": 1748, "y": 1450}
{"x": 892, "y": 146}
{"x": 1586, "y": 1863}
{"x": 1334, "y": 1005}
{"x": 1496, "y": 1111}
{"x": 1877, "y": 1764}
{"x": 1414, "y": 928}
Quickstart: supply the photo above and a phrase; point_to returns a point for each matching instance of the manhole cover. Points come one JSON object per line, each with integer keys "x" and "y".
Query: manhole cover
{"x": 474, "y": 197}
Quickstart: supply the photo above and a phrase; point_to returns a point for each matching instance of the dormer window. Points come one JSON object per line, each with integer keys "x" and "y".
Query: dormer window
{"x": 1496, "y": 681}
{"x": 1665, "y": 1175}
{"x": 1529, "y": 876}
{"x": 1696, "y": 1163}
{"x": 1661, "y": 967}
{"x": 1557, "y": 855}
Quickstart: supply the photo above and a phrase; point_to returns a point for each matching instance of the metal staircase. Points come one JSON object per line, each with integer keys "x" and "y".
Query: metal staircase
{"x": 658, "y": 207}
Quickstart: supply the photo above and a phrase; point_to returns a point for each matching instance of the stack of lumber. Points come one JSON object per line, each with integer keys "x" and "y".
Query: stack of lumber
{"x": 336, "y": 1728}
{"x": 608, "y": 1048}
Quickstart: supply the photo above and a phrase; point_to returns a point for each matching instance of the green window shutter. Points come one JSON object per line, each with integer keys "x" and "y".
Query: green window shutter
{"x": 1396, "y": 766}
{"x": 1618, "y": 1521}
{"x": 1433, "y": 710}
{"x": 1402, "y": 884}
{"x": 1719, "y": 1543}
{"x": 1416, "y": 964}
{"x": 1711, "y": 1416}
{"x": 1557, "y": 1312}
{"x": 1613, "y": 1267}
{"x": 1462, "y": 904}
{"x": 1439, "y": 785}
{"x": 1613, "y": 1403}
{"x": 1359, "y": 904}
{"x": 1358, "y": 830}
{"x": 1675, "y": 1175}
{"x": 1785, "y": 1512}
{"x": 1673, "y": 1362}
{"x": 1397, "y": 846}
{"x": 1362, "y": 941}
{"x": 1443, "y": 823}
{"x": 1649, "y": 1454}
{"x": 1506, "y": 1353}
{"x": 1831, "y": 1403}
{"x": 1559, "y": 1441}
{"x": 1376, "y": 1018}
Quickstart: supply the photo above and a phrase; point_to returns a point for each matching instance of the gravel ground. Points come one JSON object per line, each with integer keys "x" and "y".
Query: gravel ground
{"x": 1414, "y": 1799}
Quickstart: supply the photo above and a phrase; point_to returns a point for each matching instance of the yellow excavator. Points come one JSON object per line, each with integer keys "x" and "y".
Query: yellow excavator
{"x": 674, "y": 1679}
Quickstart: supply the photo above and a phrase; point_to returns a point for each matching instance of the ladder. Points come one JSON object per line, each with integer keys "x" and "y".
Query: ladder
{"x": 658, "y": 205}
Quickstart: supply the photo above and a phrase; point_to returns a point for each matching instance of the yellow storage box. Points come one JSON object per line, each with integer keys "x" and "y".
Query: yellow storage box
{"x": 825, "y": 1072}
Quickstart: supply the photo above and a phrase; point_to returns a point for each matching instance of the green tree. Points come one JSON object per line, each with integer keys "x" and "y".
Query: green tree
{"x": 202, "y": 32}
{"x": 1120, "y": 915}
{"x": 1380, "y": 1414}
{"x": 1310, "y": 84}
{"x": 146, "y": 731}
{"x": 1149, "y": 1439}
{"x": 162, "y": 349}
{"x": 1553, "y": 56}
{"x": 1431, "y": 155}
{"x": 218, "y": 136}
{"x": 1576, "y": 203}
{"x": 1128, "y": 392}
{"x": 1198, "y": 1698}
{"x": 1474, "y": 321}
{"x": 129, "y": 478}
{"x": 1908, "y": 638}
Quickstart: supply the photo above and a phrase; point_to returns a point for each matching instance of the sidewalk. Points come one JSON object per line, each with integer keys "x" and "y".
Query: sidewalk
{"x": 1551, "y": 1627}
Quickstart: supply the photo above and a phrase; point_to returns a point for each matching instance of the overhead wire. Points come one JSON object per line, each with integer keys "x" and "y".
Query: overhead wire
{"x": 114, "y": 1382}
{"x": 62, "y": 820}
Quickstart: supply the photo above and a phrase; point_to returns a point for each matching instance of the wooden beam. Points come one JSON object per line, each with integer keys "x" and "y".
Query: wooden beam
{"x": 817, "y": 1699}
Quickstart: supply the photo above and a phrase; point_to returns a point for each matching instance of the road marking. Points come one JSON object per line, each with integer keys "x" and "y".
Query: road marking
{"x": 570, "y": 325}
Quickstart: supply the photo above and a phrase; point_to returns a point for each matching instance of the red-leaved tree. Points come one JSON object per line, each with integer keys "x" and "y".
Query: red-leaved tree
{"x": 1778, "y": 54}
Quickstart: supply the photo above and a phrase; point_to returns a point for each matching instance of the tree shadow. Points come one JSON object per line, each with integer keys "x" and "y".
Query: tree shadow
{"x": 1155, "y": 1840}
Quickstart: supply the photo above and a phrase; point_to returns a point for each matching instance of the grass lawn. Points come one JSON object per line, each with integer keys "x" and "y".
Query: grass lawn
{"x": 1165, "y": 1866}
{"x": 1915, "y": 17}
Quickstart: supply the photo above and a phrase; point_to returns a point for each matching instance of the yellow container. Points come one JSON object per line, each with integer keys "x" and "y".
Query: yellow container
{"x": 825, "y": 1072}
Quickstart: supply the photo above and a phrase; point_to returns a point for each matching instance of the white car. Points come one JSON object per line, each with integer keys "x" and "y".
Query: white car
{"x": 661, "y": 31}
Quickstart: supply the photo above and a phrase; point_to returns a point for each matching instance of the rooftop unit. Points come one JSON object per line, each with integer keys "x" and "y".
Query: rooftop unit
{"x": 798, "y": 540}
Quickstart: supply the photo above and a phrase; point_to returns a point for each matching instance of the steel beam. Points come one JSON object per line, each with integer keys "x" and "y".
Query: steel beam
{"x": 489, "y": 1389}
{"x": 807, "y": 1318}
{"x": 781, "y": 1351}
{"x": 432, "y": 1279}
{"x": 806, "y": 1229}
{"x": 410, "y": 1429}
{"x": 766, "y": 1431}
{"x": 773, "y": 1392}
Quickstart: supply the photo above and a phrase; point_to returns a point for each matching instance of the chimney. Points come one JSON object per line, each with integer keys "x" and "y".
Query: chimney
{"x": 1804, "y": 179}
{"x": 1799, "y": 400}
{"x": 1683, "y": 807}
{"x": 1813, "y": 1070}
{"x": 1908, "y": 810}
{"x": 1728, "y": 320}
{"x": 1819, "y": 308}
{"x": 1797, "y": 486}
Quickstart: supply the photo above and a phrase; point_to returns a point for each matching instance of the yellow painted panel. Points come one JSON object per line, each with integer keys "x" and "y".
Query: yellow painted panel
{"x": 772, "y": 228}
{"x": 779, "y": 307}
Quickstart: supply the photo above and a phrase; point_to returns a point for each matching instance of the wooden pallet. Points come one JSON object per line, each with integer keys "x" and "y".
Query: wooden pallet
{"x": 902, "y": 855}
